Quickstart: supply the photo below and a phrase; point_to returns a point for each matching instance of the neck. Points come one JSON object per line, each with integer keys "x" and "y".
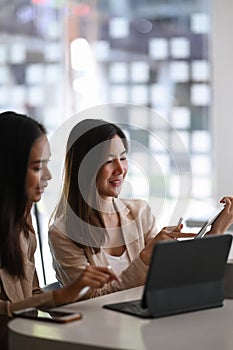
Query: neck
{"x": 106, "y": 206}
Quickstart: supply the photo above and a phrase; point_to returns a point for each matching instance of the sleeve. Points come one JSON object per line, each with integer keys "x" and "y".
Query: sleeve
{"x": 69, "y": 260}
{"x": 41, "y": 300}
{"x": 28, "y": 292}
{"x": 35, "y": 285}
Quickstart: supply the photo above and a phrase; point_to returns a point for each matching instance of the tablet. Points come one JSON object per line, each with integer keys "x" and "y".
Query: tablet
{"x": 209, "y": 222}
{"x": 181, "y": 278}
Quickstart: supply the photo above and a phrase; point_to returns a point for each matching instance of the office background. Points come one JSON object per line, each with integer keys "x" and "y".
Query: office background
{"x": 163, "y": 66}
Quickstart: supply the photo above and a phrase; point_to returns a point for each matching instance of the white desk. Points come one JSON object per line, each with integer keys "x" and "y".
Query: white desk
{"x": 104, "y": 329}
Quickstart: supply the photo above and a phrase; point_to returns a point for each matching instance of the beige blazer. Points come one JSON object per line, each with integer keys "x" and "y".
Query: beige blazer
{"x": 69, "y": 259}
{"x": 19, "y": 293}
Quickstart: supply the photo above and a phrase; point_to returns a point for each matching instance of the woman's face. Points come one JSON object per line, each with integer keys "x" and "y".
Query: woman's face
{"x": 38, "y": 173}
{"x": 111, "y": 175}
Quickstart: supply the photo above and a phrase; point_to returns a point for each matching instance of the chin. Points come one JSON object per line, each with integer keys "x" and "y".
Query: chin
{"x": 36, "y": 198}
{"x": 115, "y": 195}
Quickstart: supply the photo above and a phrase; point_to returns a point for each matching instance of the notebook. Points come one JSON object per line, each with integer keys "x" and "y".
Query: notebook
{"x": 183, "y": 276}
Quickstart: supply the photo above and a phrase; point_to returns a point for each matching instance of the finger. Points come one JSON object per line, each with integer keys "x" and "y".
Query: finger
{"x": 169, "y": 229}
{"x": 176, "y": 228}
{"x": 164, "y": 235}
{"x": 227, "y": 200}
{"x": 94, "y": 280}
{"x": 182, "y": 235}
{"x": 173, "y": 228}
{"x": 105, "y": 272}
{"x": 113, "y": 275}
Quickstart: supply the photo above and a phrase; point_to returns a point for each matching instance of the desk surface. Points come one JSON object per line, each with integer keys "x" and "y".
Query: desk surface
{"x": 105, "y": 329}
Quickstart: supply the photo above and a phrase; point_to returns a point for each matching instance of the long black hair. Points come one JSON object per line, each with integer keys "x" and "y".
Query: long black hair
{"x": 86, "y": 148}
{"x": 18, "y": 132}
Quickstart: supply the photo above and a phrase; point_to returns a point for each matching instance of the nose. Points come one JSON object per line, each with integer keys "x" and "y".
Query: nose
{"x": 119, "y": 169}
{"x": 46, "y": 175}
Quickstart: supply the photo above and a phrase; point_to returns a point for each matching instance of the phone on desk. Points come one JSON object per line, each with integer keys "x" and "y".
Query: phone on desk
{"x": 209, "y": 222}
{"x": 59, "y": 316}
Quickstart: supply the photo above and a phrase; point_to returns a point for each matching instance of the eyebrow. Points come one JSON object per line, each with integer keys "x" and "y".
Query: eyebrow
{"x": 39, "y": 161}
{"x": 121, "y": 154}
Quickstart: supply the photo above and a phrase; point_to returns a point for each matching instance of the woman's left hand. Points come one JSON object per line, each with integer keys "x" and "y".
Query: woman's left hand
{"x": 225, "y": 219}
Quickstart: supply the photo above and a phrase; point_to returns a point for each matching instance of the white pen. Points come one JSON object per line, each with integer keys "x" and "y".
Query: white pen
{"x": 180, "y": 221}
{"x": 83, "y": 291}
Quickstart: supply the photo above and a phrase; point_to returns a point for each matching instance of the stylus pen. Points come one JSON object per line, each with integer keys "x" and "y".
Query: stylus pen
{"x": 83, "y": 291}
{"x": 180, "y": 221}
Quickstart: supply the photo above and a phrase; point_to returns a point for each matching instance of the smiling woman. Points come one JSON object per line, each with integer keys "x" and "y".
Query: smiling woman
{"x": 92, "y": 225}
{"x": 24, "y": 155}
{"x": 112, "y": 173}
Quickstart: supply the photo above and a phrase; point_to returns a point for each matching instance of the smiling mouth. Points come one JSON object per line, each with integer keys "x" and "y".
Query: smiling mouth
{"x": 41, "y": 189}
{"x": 116, "y": 182}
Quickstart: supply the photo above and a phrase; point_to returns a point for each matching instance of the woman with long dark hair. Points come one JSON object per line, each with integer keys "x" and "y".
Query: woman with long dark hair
{"x": 24, "y": 174}
{"x": 92, "y": 225}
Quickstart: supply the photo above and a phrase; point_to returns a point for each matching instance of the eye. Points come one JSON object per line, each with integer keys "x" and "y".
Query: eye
{"x": 37, "y": 168}
{"x": 40, "y": 165}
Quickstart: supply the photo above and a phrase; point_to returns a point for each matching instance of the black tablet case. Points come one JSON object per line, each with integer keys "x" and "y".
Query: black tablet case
{"x": 184, "y": 276}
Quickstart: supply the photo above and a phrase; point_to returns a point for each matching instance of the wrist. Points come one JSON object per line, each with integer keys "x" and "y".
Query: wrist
{"x": 65, "y": 295}
{"x": 218, "y": 229}
{"x": 143, "y": 257}
{"x": 59, "y": 297}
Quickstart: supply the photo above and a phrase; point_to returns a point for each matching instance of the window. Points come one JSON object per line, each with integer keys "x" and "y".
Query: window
{"x": 145, "y": 61}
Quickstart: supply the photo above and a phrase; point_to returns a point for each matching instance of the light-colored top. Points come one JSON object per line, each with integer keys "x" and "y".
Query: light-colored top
{"x": 19, "y": 293}
{"x": 69, "y": 258}
{"x": 118, "y": 263}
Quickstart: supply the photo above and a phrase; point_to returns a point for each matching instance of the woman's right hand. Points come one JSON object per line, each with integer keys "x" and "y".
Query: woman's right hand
{"x": 92, "y": 276}
{"x": 167, "y": 233}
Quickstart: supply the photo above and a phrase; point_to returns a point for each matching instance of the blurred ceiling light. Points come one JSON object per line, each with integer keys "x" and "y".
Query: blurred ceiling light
{"x": 85, "y": 73}
{"x": 81, "y": 10}
{"x": 39, "y": 1}
{"x": 82, "y": 59}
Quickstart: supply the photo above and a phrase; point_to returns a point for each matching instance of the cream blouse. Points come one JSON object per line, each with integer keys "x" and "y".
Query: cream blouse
{"x": 118, "y": 263}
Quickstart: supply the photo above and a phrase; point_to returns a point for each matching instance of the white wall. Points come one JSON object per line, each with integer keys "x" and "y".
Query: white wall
{"x": 222, "y": 54}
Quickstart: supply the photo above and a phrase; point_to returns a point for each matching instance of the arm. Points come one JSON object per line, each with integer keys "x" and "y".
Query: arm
{"x": 69, "y": 259}
{"x": 225, "y": 219}
{"x": 44, "y": 299}
{"x": 92, "y": 276}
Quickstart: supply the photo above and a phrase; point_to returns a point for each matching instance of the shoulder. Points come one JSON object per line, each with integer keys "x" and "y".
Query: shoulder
{"x": 58, "y": 227}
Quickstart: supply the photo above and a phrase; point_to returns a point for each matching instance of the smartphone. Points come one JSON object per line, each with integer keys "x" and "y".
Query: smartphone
{"x": 209, "y": 222}
{"x": 48, "y": 315}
